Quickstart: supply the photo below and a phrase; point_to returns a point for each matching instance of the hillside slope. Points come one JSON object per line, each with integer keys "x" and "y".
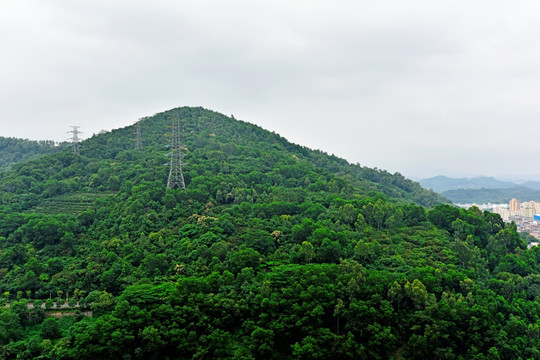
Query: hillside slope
{"x": 273, "y": 251}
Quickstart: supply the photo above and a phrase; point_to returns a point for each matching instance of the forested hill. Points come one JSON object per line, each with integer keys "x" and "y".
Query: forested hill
{"x": 219, "y": 149}
{"x": 14, "y": 150}
{"x": 273, "y": 251}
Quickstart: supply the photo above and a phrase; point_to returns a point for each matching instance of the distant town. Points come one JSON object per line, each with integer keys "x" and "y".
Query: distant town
{"x": 526, "y": 215}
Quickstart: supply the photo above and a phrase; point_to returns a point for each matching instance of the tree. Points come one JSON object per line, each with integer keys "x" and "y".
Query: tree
{"x": 379, "y": 213}
{"x": 259, "y": 240}
{"x": 348, "y": 214}
{"x": 245, "y": 257}
{"x": 338, "y": 309}
{"x": 262, "y": 342}
{"x": 49, "y": 303}
{"x": 50, "y": 329}
{"x": 417, "y": 292}
{"x": 329, "y": 251}
{"x": 443, "y": 215}
{"x": 10, "y": 327}
{"x": 395, "y": 293}
{"x": 307, "y": 251}
{"x": 464, "y": 251}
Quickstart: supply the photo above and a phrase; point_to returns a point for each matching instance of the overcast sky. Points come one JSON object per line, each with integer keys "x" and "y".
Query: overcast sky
{"x": 419, "y": 87}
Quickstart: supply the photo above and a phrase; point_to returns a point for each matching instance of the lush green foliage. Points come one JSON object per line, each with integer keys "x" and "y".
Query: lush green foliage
{"x": 272, "y": 251}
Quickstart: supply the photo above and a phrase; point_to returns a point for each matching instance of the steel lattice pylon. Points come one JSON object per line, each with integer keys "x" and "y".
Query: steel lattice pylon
{"x": 75, "y": 139}
{"x": 176, "y": 178}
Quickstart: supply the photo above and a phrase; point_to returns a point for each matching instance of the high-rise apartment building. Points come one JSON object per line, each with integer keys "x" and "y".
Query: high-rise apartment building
{"x": 502, "y": 211}
{"x": 514, "y": 206}
{"x": 529, "y": 209}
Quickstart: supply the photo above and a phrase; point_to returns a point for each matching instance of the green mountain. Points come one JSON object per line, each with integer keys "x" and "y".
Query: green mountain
{"x": 231, "y": 147}
{"x": 273, "y": 250}
{"x": 441, "y": 183}
{"x": 14, "y": 150}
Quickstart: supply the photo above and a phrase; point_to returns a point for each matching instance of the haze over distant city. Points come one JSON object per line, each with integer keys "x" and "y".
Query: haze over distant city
{"x": 419, "y": 87}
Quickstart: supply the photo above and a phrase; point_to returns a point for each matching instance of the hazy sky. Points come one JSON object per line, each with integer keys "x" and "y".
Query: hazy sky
{"x": 419, "y": 87}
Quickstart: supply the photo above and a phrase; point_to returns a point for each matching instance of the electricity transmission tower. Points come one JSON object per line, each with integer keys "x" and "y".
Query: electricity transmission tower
{"x": 176, "y": 178}
{"x": 75, "y": 139}
{"x": 139, "y": 136}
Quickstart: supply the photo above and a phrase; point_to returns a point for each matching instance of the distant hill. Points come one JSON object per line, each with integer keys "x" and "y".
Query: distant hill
{"x": 441, "y": 184}
{"x": 13, "y": 150}
{"x": 535, "y": 185}
{"x": 494, "y": 196}
{"x": 482, "y": 190}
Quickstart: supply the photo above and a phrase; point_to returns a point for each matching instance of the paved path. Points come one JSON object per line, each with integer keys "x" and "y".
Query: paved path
{"x": 65, "y": 305}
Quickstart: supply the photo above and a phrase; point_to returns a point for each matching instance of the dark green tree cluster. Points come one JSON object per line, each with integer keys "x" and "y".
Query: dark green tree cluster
{"x": 272, "y": 251}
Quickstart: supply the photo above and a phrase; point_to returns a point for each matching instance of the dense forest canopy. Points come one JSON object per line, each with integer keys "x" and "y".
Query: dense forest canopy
{"x": 272, "y": 251}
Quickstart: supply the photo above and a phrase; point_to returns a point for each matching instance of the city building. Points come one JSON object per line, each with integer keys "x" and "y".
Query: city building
{"x": 502, "y": 211}
{"x": 529, "y": 209}
{"x": 514, "y": 206}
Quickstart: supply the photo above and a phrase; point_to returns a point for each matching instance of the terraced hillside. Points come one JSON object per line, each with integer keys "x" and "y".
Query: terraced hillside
{"x": 72, "y": 204}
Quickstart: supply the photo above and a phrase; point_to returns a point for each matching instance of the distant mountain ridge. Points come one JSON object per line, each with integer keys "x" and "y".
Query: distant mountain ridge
{"x": 535, "y": 185}
{"x": 481, "y": 190}
{"x": 494, "y": 196}
{"x": 441, "y": 183}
